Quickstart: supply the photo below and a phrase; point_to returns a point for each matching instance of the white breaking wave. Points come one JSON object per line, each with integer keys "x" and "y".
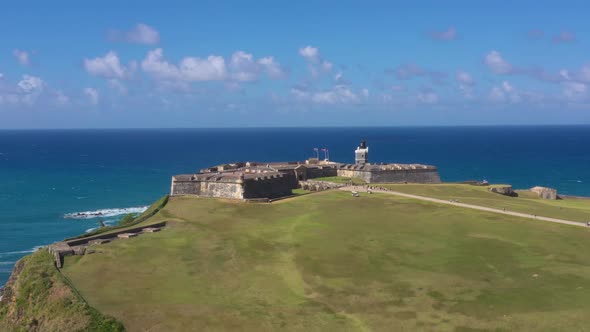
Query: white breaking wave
{"x": 104, "y": 213}
{"x": 7, "y": 263}
{"x": 12, "y": 253}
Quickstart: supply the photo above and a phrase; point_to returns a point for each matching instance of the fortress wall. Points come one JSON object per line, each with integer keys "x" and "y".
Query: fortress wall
{"x": 348, "y": 173}
{"x": 221, "y": 189}
{"x": 208, "y": 189}
{"x": 411, "y": 176}
{"x": 313, "y": 173}
{"x": 393, "y": 176}
{"x": 183, "y": 188}
{"x": 269, "y": 187}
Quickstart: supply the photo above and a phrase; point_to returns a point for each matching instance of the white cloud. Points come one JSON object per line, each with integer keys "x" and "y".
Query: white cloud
{"x": 22, "y": 57}
{"x": 565, "y": 37}
{"x": 464, "y": 78}
{"x": 310, "y": 53}
{"x": 497, "y": 95}
{"x": 61, "y": 98}
{"x": 272, "y": 68}
{"x": 365, "y": 93}
{"x": 314, "y": 60}
{"x": 30, "y": 87}
{"x": 109, "y": 66}
{"x": 448, "y": 34}
{"x": 31, "y": 84}
{"x": 505, "y": 92}
{"x": 428, "y": 97}
{"x": 211, "y": 68}
{"x": 139, "y": 34}
{"x": 466, "y": 83}
{"x": 338, "y": 94}
{"x": 244, "y": 67}
{"x": 92, "y": 95}
{"x": 497, "y": 64}
{"x": 574, "y": 90}
{"x": 584, "y": 73}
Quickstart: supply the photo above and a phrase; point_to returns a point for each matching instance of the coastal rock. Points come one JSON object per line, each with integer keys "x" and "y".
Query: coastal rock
{"x": 503, "y": 190}
{"x": 544, "y": 192}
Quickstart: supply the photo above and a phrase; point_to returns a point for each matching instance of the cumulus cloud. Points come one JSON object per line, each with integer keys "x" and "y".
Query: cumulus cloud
{"x": 464, "y": 78}
{"x": 445, "y": 35}
{"x": 31, "y": 84}
{"x": 574, "y": 90}
{"x": 338, "y": 94}
{"x": 212, "y": 68}
{"x": 140, "y": 34}
{"x": 26, "y": 91}
{"x": 497, "y": 64}
{"x": 240, "y": 67}
{"x": 310, "y": 53}
{"x": 22, "y": 57}
{"x": 92, "y": 95}
{"x": 314, "y": 60}
{"x": 584, "y": 73}
{"x": 564, "y": 37}
{"x": 340, "y": 80}
{"x": 244, "y": 67}
{"x": 109, "y": 66}
{"x": 272, "y": 68}
{"x": 61, "y": 98}
{"x": 466, "y": 83}
{"x": 504, "y": 92}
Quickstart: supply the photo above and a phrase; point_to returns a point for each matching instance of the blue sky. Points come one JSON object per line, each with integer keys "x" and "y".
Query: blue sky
{"x": 108, "y": 64}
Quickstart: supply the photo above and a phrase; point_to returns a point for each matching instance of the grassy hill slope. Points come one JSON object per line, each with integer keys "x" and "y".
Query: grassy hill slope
{"x": 575, "y": 209}
{"x": 38, "y": 298}
{"x": 328, "y": 261}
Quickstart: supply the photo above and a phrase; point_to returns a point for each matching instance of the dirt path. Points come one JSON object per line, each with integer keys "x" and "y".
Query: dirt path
{"x": 469, "y": 206}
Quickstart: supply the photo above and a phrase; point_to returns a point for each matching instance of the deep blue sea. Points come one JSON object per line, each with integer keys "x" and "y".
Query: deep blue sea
{"x": 46, "y": 174}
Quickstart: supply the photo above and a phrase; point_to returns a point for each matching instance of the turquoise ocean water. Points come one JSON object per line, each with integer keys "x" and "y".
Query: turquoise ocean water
{"x": 47, "y": 174}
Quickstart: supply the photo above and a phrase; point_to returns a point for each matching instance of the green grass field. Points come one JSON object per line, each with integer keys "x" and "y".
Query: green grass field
{"x": 331, "y": 262}
{"x": 570, "y": 208}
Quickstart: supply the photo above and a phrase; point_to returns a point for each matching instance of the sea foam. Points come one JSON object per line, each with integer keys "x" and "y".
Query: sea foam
{"x": 20, "y": 252}
{"x": 104, "y": 213}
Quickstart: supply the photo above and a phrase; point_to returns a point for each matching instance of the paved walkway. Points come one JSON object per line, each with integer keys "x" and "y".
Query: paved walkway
{"x": 469, "y": 206}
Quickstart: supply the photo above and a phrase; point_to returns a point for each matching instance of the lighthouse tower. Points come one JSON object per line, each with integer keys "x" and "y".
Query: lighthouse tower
{"x": 361, "y": 154}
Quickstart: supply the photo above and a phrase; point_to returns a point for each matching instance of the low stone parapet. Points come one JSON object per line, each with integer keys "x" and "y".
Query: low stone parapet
{"x": 503, "y": 190}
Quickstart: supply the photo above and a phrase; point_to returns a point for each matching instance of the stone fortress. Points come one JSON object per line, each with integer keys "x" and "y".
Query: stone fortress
{"x": 254, "y": 180}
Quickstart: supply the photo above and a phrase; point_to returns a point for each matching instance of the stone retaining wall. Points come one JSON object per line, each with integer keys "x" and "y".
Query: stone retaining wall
{"x": 313, "y": 185}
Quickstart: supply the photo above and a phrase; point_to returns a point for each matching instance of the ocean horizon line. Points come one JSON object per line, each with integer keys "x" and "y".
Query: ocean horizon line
{"x": 300, "y": 127}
